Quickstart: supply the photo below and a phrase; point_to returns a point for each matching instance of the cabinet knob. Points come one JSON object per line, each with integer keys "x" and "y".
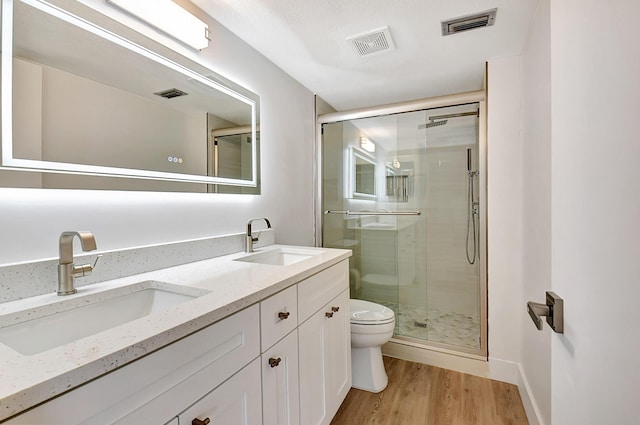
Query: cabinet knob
{"x": 329, "y": 314}
{"x": 335, "y": 309}
{"x": 283, "y": 315}
{"x": 274, "y": 362}
{"x": 197, "y": 421}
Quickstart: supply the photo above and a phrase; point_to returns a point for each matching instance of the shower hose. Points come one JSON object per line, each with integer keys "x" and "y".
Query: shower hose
{"x": 471, "y": 222}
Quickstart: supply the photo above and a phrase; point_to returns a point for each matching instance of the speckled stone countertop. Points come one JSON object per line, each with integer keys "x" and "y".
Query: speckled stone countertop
{"x": 27, "y": 380}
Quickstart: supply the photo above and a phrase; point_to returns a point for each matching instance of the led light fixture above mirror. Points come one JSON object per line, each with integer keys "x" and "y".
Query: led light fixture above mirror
{"x": 170, "y": 18}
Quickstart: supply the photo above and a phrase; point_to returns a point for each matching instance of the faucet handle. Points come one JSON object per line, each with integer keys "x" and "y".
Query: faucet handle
{"x": 85, "y": 269}
{"x": 98, "y": 257}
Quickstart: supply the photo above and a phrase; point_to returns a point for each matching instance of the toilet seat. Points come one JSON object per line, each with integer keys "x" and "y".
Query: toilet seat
{"x": 368, "y": 313}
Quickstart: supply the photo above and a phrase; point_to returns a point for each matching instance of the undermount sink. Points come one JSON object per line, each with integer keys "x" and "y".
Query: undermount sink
{"x": 280, "y": 256}
{"x": 59, "y": 323}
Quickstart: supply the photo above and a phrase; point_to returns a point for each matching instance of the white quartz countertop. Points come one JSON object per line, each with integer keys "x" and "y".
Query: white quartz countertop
{"x": 27, "y": 380}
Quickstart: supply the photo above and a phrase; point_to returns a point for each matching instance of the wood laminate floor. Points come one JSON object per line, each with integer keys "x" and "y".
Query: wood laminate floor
{"x": 419, "y": 394}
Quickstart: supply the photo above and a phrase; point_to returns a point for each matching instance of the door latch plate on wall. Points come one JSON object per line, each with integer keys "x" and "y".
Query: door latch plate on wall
{"x": 553, "y": 309}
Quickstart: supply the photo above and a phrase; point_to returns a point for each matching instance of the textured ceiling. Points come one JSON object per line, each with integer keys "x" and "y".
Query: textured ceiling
{"x": 307, "y": 40}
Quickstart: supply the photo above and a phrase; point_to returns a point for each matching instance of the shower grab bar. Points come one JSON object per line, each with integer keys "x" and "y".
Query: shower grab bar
{"x": 373, "y": 212}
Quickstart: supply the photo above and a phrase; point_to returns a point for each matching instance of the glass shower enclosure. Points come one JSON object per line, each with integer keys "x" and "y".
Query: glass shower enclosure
{"x": 403, "y": 191}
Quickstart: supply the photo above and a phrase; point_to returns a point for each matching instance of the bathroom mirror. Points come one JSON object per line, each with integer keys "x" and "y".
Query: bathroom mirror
{"x": 89, "y": 103}
{"x": 363, "y": 175}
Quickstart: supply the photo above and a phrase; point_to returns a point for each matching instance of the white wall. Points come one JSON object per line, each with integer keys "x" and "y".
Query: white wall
{"x": 504, "y": 218}
{"x": 595, "y": 98}
{"x": 31, "y": 220}
{"x": 519, "y": 217}
{"x": 536, "y": 187}
{"x": 580, "y": 206}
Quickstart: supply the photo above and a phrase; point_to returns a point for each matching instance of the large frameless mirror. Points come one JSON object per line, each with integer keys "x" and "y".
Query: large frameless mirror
{"x": 88, "y": 103}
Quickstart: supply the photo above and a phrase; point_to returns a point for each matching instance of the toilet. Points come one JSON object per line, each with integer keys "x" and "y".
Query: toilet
{"x": 371, "y": 326}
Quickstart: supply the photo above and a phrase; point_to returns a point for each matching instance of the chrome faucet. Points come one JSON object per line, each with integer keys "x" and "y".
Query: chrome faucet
{"x": 66, "y": 269}
{"x": 250, "y": 239}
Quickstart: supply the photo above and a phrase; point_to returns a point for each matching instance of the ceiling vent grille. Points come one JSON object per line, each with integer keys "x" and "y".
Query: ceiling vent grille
{"x": 469, "y": 22}
{"x": 171, "y": 93}
{"x": 376, "y": 41}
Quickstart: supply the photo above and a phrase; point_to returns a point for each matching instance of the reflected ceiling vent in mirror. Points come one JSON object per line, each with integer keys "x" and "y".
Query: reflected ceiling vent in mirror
{"x": 377, "y": 41}
{"x": 171, "y": 93}
{"x": 469, "y": 22}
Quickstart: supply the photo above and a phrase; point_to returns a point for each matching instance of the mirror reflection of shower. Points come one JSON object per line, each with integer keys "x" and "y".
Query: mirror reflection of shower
{"x": 472, "y": 214}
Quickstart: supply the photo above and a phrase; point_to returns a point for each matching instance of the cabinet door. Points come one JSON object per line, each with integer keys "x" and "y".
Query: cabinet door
{"x": 338, "y": 352}
{"x": 313, "y": 407}
{"x": 280, "y": 395}
{"x": 236, "y": 402}
{"x": 325, "y": 361}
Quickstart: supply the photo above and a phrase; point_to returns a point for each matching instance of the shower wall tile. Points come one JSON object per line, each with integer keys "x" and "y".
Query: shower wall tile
{"x": 452, "y": 283}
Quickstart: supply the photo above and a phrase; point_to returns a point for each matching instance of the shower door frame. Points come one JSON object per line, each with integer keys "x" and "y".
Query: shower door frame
{"x": 478, "y": 97}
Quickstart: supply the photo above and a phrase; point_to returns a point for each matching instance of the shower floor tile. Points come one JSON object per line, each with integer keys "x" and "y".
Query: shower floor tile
{"x": 437, "y": 326}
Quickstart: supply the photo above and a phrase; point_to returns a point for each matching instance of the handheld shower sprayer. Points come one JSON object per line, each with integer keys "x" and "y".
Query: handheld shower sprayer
{"x": 472, "y": 213}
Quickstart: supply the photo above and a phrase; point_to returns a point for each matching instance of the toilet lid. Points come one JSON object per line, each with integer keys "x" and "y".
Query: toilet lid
{"x": 368, "y": 313}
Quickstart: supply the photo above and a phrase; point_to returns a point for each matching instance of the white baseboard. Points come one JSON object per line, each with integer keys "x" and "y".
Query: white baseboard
{"x": 497, "y": 369}
{"x": 512, "y": 373}
{"x": 529, "y": 402}
{"x": 503, "y": 370}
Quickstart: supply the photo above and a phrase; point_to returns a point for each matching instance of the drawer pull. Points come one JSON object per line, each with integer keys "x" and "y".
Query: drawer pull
{"x": 335, "y": 309}
{"x": 283, "y": 315}
{"x": 329, "y": 314}
{"x": 197, "y": 421}
{"x": 274, "y": 362}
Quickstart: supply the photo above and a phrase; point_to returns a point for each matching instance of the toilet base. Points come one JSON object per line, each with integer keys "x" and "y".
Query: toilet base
{"x": 367, "y": 369}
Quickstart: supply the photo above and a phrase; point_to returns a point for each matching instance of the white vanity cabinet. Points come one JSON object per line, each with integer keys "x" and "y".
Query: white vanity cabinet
{"x": 283, "y": 361}
{"x": 324, "y": 339}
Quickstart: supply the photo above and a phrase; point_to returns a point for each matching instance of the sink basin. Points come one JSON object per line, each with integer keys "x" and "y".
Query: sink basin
{"x": 280, "y": 256}
{"x": 59, "y": 323}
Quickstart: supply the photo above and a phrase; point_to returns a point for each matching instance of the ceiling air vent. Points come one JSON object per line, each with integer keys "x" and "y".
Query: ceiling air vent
{"x": 376, "y": 41}
{"x": 469, "y": 22}
{"x": 171, "y": 93}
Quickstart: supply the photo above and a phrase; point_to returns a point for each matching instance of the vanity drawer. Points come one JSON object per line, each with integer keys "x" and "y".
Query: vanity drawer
{"x": 278, "y": 316}
{"x": 319, "y": 289}
{"x": 236, "y": 402}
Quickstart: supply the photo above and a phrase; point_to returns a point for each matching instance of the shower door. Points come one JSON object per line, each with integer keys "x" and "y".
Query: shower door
{"x": 401, "y": 191}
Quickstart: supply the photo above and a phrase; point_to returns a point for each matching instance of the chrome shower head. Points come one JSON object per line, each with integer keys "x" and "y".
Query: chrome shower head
{"x": 432, "y": 123}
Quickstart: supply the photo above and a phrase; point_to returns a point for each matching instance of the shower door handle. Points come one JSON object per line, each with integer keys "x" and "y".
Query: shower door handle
{"x": 373, "y": 212}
